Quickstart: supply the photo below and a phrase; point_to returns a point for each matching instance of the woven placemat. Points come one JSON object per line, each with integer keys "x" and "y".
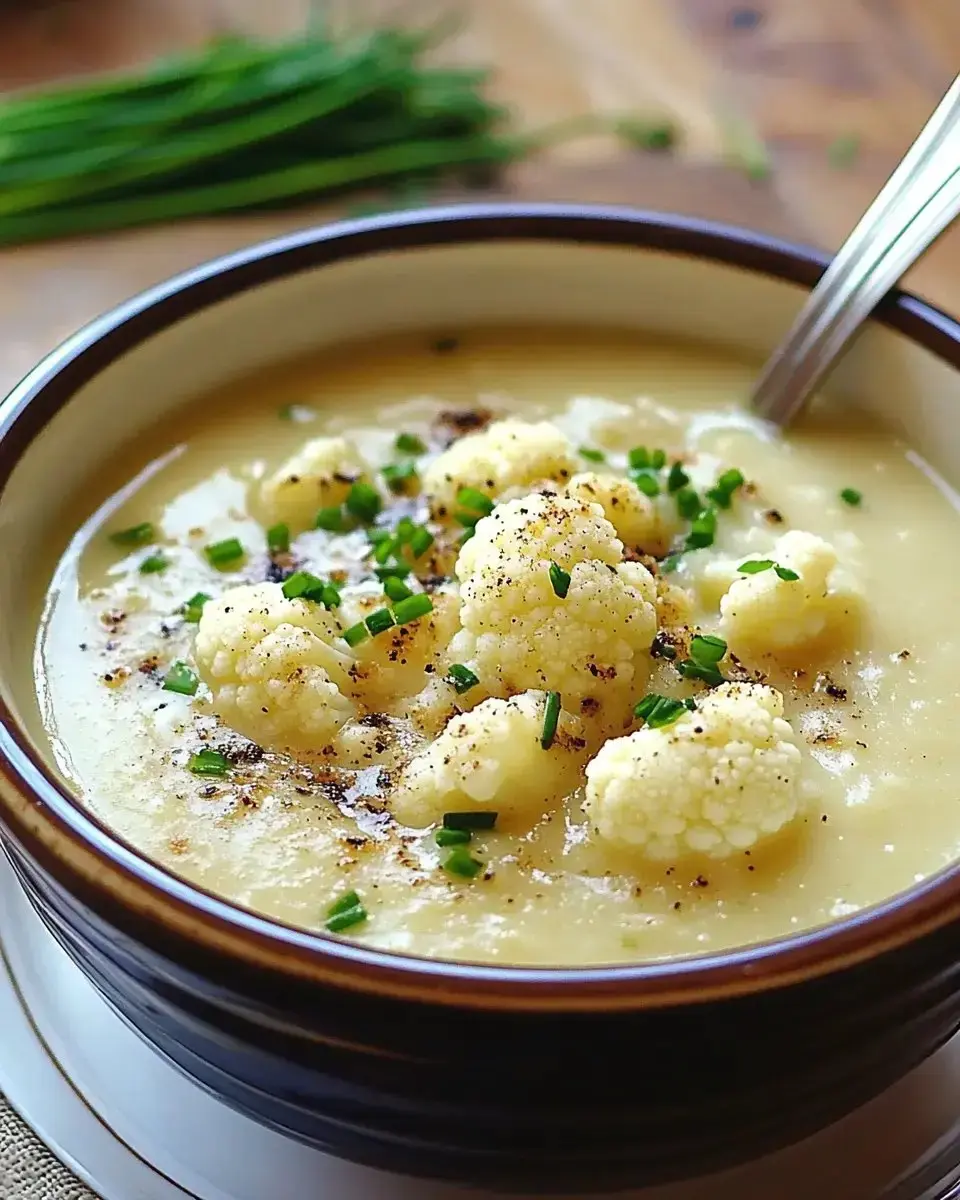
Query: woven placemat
{"x": 28, "y": 1171}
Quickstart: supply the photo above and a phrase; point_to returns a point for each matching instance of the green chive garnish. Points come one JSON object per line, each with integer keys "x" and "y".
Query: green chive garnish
{"x": 473, "y": 505}
{"x": 355, "y": 634}
{"x": 384, "y": 549}
{"x": 136, "y": 535}
{"x": 755, "y": 566}
{"x": 722, "y": 491}
{"x": 396, "y": 475}
{"x": 706, "y": 651}
{"x": 153, "y": 564}
{"x": 658, "y": 459}
{"x": 462, "y": 678}
{"x": 208, "y": 762}
{"x": 409, "y": 443}
{"x": 470, "y": 820}
{"x": 333, "y": 520}
{"x": 181, "y": 679}
{"x": 376, "y": 535}
{"x": 344, "y": 913}
{"x": 219, "y": 554}
{"x": 656, "y": 711}
{"x": 669, "y": 564}
{"x": 592, "y": 455}
{"x": 702, "y": 531}
{"x": 677, "y": 478}
{"x": 363, "y": 501}
{"x": 852, "y": 497}
{"x": 452, "y": 837}
{"x": 646, "y": 482}
{"x": 412, "y": 608}
{"x": 560, "y": 580}
{"x": 192, "y": 609}
{"x": 395, "y": 588}
{"x": 551, "y": 715}
{"x": 461, "y": 862}
{"x": 278, "y": 539}
{"x": 420, "y": 541}
{"x": 329, "y": 597}
{"x": 301, "y": 583}
{"x": 380, "y": 621}
{"x": 395, "y": 571}
{"x": 638, "y": 458}
{"x": 688, "y": 503}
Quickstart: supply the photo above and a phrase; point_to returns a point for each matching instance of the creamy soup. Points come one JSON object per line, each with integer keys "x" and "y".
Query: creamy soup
{"x": 528, "y": 647}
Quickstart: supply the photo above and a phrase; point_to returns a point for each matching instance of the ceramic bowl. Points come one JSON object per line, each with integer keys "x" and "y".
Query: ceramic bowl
{"x": 538, "y": 1080}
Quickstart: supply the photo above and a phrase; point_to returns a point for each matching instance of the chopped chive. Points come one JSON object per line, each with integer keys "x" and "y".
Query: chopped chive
{"x": 658, "y": 459}
{"x": 722, "y": 491}
{"x": 301, "y": 583}
{"x": 355, "y": 634}
{"x": 420, "y": 541}
{"x": 470, "y": 820}
{"x": 377, "y": 535}
{"x": 452, "y": 837}
{"x": 688, "y": 503}
{"x": 384, "y": 549}
{"x": 153, "y": 564}
{"x": 646, "y": 482}
{"x": 690, "y": 704}
{"x": 592, "y": 455}
{"x": 677, "y": 478}
{"x": 379, "y": 621}
{"x": 332, "y": 519}
{"x": 363, "y": 501}
{"x": 409, "y": 443}
{"x": 278, "y": 539}
{"x": 412, "y": 608}
{"x": 191, "y": 609}
{"x": 396, "y": 475}
{"x": 181, "y": 679}
{"x": 706, "y": 648}
{"x": 462, "y": 678}
{"x": 403, "y": 531}
{"x": 669, "y": 564}
{"x": 706, "y": 674}
{"x": 395, "y": 588}
{"x": 395, "y": 571}
{"x": 474, "y": 501}
{"x": 852, "y": 497}
{"x": 786, "y": 574}
{"x": 136, "y": 535}
{"x": 461, "y": 862}
{"x": 656, "y": 711}
{"x": 702, "y": 531}
{"x": 219, "y": 554}
{"x": 638, "y": 458}
{"x": 208, "y": 762}
{"x": 345, "y": 912}
{"x": 329, "y": 596}
{"x": 560, "y": 580}
{"x": 551, "y": 716}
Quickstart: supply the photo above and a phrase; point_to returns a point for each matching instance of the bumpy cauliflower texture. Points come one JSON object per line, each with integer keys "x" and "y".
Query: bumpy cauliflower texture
{"x": 716, "y": 782}
{"x": 763, "y": 613}
{"x": 505, "y": 455}
{"x": 637, "y": 519}
{"x": 590, "y": 644}
{"x": 491, "y": 758}
{"x": 275, "y": 667}
{"x": 319, "y": 475}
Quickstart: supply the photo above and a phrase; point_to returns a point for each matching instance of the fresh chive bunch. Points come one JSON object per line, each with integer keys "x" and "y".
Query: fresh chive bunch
{"x": 242, "y": 124}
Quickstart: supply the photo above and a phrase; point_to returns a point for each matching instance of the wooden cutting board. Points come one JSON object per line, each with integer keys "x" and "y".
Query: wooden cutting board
{"x": 798, "y": 74}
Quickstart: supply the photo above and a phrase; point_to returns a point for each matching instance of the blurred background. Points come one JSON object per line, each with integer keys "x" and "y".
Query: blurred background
{"x": 782, "y": 115}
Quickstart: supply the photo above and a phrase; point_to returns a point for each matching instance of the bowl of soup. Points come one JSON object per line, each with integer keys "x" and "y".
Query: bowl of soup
{"x": 444, "y": 722}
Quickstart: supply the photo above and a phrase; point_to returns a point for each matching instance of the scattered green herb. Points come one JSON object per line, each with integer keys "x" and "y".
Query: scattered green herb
{"x": 656, "y": 711}
{"x": 192, "y": 609}
{"x": 345, "y": 913}
{"x": 409, "y": 443}
{"x": 722, "y": 491}
{"x": 355, "y": 634}
{"x": 452, "y": 837}
{"x": 333, "y": 519}
{"x": 136, "y": 535}
{"x": 153, "y": 564}
{"x": 706, "y": 652}
{"x": 852, "y": 497}
{"x": 461, "y": 862}
{"x": 638, "y": 459}
{"x": 677, "y": 478}
{"x": 380, "y": 621}
{"x": 420, "y": 541}
{"x": 395, "y": 588}
{"x": 278, "y": 539}
{"x": 560, "y": 580}
{"x": 551, "y": 717}
{"x": 470, "y": 820}
{"x": 181, "y": 679}
{"x": 688, "y": 503}
{"x": 473, "y": 505}
{"x": 398, "y": 475}
{"x": 412, "y": 608}
{"x": 592, "y": 455}
{"x": 462, "y": 678}
{"x": 208, "y": 762}
{"x": 221, "y": 554}
{"x": 647, "y": 482}
{"x": 755, "y": 566}
{"x": 669, "y": 564}
{"x": 702, "y": 531}
{"x": 301, "y": 583}
{"x": 363, "y": 501}
{"x": 393, "y": 571}
{"x": 658, "y": 459}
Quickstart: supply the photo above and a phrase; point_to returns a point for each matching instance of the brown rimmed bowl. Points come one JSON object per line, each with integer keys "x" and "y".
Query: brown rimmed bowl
{"x": 539, "y": 1080}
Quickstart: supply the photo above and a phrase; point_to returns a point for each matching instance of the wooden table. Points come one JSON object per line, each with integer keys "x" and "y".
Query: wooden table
{"x": 796, "y": 73}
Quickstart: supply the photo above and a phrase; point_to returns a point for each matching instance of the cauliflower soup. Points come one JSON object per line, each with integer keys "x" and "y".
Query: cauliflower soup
{"x": 517, "y": 646}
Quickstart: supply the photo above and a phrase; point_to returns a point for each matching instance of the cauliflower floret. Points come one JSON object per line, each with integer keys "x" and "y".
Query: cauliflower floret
{"x": 716, "y": 782}
{"x": 275, "y": 667}
{"x": 507, "y": 454}
{"x": 320, "y": 474}
{"x": 492, "y": 759}
{"x": 638, "y": 520}
{"x": 591, "y": 644}
{"x": 399, "y": 662}
{"x": 763, "y": 613}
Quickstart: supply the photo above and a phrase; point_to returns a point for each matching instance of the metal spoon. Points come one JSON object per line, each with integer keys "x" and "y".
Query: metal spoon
{"x": 916, "y": 204}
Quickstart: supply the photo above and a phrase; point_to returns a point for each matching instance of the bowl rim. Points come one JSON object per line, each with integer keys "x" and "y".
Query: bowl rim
{"x": 168, "y": 903}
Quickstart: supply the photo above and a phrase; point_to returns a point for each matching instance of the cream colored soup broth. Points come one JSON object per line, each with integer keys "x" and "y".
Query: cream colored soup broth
{"x": 793, "y": 757}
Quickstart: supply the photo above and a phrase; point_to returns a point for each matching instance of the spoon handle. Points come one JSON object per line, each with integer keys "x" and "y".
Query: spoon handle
{"x": 919, "y": 200}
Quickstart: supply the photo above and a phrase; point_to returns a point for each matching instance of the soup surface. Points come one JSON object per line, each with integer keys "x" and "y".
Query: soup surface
{"x": 546, "y": 733}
